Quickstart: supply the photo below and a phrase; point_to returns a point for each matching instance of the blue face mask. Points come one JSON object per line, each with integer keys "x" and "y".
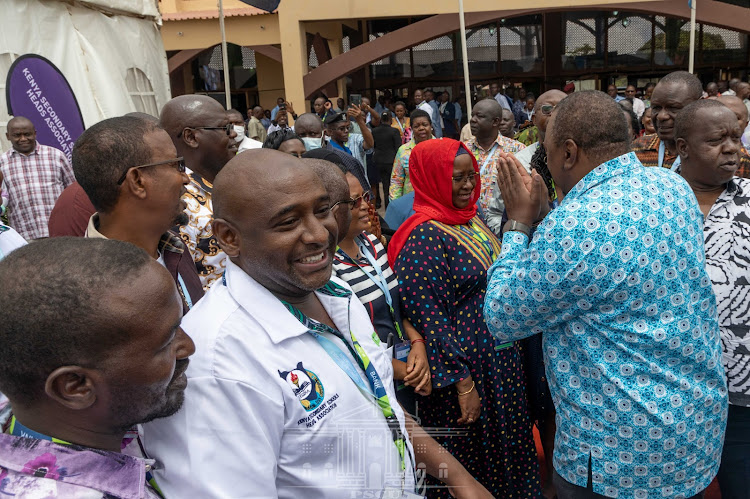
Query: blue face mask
{"x": 312, "y": 143}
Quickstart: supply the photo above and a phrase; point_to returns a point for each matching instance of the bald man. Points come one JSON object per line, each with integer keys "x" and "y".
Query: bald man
{"x": 286, "y": 360}
{"x": 488, "y": 144}
{"x": 203, "y": 135}
{"x": 736, "y": 105}
{"x": 255, "y": 129}
{"x": 334, "y": 180}
{"x": 34, "y": 176}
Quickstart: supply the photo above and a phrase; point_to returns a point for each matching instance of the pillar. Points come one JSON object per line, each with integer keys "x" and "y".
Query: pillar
{"x": 294, "y": 54}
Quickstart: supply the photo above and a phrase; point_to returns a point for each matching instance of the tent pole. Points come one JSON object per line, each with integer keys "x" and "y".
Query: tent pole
{"x": 465, "y": 57}
{"x": 691, "y": 60}
{"x": 225, "y": 59}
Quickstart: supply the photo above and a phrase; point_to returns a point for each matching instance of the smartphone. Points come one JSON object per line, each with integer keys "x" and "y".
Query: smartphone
{"x": 355, "y": 99}
{"x": 282, "y": 105}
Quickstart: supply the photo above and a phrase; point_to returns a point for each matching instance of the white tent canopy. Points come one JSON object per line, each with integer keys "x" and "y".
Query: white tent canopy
{"x": 110, "y": 51}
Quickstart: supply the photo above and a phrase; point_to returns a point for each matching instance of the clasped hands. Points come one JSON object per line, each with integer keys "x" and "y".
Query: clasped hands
{"x": 525, "y": 196}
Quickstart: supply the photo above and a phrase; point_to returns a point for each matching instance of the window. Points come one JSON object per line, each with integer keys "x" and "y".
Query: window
{"x": 629, "y": 39}
{"x": 141, "y": 92}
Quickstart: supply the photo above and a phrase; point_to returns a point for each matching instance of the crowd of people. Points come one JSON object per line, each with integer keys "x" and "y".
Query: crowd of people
{"x": 199, "y": 305}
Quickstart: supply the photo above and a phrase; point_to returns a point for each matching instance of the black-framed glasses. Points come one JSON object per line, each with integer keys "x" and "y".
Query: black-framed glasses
{"x": 179, "y": 164}
{"x": 354, "y": 203}
{"x": 228, "y": 128}
{"x": 547, "y": 109}
{"x": 462, "y": 179}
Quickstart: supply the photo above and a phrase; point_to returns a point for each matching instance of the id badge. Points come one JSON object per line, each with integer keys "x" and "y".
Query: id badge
{"x": 401, "y": 351}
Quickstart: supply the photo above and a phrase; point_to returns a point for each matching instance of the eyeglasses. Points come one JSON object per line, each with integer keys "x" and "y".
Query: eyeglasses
{"x": 178, "y": 163}
{"x": 462, "y": 179}
{"x": 354, "y": 203}
{"x": 227, "y": 128}
{"x": 547, "y": 109}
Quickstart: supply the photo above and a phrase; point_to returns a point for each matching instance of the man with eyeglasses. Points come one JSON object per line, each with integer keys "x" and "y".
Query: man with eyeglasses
{"x": 130, "y": 171}
{"x": 487, "y": 146}
{"x": 200, "y": 130}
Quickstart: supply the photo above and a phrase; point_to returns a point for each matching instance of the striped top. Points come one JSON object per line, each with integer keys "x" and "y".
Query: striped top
{"x": 366, "y": 290}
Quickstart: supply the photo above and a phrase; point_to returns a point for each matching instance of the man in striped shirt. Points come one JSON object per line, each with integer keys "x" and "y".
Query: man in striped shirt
{"x": 34, "y": 176}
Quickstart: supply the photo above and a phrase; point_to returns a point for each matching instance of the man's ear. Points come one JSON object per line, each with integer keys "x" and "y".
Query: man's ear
{"x": 135, "y": 182}
{"x": 570, "y": 149}
{"x": 227, "y": 236}
{"x": 189, "y": 138}
{"x": 73, "y": 387}
{"x": 682, "y": 147}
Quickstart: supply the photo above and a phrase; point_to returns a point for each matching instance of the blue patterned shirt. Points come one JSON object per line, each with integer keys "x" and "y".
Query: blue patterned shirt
{"x": 615, "y": 279}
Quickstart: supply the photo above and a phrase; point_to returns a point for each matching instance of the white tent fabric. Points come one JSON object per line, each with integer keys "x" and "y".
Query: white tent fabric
{"x": 115, "y": 63}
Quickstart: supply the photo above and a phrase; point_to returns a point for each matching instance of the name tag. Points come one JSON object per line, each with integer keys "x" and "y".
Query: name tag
{"x": 401, "y": 352}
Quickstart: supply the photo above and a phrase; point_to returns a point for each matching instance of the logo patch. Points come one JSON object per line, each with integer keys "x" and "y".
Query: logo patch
{"x": 305, "y": 385}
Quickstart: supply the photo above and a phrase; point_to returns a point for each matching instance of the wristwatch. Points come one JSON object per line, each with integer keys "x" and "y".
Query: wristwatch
{"x": 517, "y": 226}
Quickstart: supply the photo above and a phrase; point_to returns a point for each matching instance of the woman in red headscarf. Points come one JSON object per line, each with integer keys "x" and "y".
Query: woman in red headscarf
{"x": 441, "y": 255}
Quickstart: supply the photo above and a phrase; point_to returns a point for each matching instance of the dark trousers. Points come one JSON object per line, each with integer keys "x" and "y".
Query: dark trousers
{"x": 385, "y": 180}
{"x": 734, "y": 472}
{"x": 566, "y": 490}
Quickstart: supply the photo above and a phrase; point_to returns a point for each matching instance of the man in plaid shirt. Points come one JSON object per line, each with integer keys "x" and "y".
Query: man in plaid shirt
{"x": 34, "y": 176}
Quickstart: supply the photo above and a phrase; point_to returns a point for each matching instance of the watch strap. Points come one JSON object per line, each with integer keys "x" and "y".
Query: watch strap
{"x": 514, "y": 225}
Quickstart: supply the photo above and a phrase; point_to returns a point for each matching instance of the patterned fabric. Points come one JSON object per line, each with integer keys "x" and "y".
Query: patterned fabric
{"x": 400, "y": 183}
{"x": 34, "y": 183}
{"x": 366, "y": 290}
{"x": 198, "y": 235}
{"x": 489, "y": 172}
{"x": 442, "y": 288}
{"x": 614, "y": 278}
{"x": 9, "y": 240}
{"x": 404, "y": 130}
{"x": 40, "y": 469}
{"x": 528, "y": 135}
{"x": 727, "y": 239}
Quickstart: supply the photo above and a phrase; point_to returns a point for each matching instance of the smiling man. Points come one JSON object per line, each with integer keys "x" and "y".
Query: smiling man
{"x": 291, "y": 393}
{"x": 34, "y": 176}
{"x": 68, "y": 368}
{"x": 671, "y": 94}
{"x": 200, "y": 130}
{"x": 130, "y": 171}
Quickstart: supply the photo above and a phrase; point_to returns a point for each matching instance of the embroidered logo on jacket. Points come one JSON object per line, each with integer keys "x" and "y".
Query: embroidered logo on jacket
{"x": 305, "y": 385}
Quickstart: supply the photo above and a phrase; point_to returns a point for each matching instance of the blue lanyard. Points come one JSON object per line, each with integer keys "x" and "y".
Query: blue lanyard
{"x": 487, "y": 159}
{"x": 662, "y": 150}
{"x": 185, "y": 293}
{"x": 400, "y": 125}
{"x": 379, "y": 280}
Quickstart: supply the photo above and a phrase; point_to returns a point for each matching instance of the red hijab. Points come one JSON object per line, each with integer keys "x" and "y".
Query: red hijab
{"x": 430, "y": 172}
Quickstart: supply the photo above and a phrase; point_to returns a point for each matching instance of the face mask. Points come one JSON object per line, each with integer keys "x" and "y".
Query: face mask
{"x": 240, "y": 133}
{"x": 312, "y": 143}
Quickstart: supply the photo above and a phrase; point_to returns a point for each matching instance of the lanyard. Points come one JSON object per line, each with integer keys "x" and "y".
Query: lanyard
{"x": 487, "y": 159}
{"x": 19, "y": 430}
{"x": 675, "y": 165}
{"x": 380, "y": 281}
{"x": 376, "y": 388}
{"x": 185, "y": 294}
{"x": 398, "y": 121}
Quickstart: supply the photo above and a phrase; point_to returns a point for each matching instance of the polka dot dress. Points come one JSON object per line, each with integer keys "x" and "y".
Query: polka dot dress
{"x": 442, "y": 287}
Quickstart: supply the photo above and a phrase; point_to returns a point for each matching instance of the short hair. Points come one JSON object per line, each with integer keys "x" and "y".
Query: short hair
{"x": 20, "y": 120}
{"x": 691, "y": 82}
{"x": 105, "y": 151}
{"x": 275, "y": 139}
{"x": 635, "y": 123}
{"x": 332, "y": 177}
{"x": 399, "y": 103}
{"x": 650, "y": 84}
{"x": 55, "y": 316}
{"x": 687, "y": 117}
{"x": 418, "y": 113}
{"x": 579, "y": 117}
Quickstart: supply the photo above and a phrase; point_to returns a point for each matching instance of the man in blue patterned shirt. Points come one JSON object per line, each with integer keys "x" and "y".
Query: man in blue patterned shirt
{"x": 615, "y": 279}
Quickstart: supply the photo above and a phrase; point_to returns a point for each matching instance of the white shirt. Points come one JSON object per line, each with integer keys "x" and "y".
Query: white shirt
{"x": 639, "y": 107}
{"x": 9, "y": 241}
{"x": 243, "y": 430}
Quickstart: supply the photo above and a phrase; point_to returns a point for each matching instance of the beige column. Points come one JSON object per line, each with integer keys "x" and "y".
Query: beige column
{"x": 294, "y": 54}
{"x": 270, "y": 80}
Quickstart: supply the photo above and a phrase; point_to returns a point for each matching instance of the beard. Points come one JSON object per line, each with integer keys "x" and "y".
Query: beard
{"x": 182, "y": 219}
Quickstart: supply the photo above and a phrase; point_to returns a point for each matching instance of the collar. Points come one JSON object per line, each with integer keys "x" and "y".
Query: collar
{"x": 620, "y": 166}
{"x": 35, "y": 151}
{"x": 115, "y": 474}
{"x": 269, "y": 312}
{"x": 201, "y": 183}
{"x": 169, "y": 241}
{"x": 499, "y": 140}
